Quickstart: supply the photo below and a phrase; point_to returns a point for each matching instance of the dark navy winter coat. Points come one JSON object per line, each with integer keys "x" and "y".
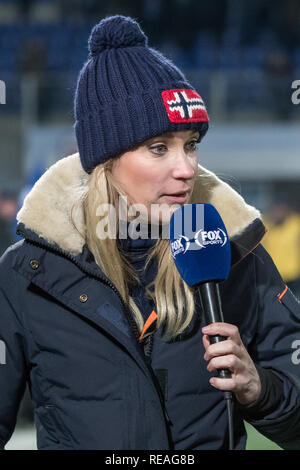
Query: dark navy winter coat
{"x": 67, "y": 332}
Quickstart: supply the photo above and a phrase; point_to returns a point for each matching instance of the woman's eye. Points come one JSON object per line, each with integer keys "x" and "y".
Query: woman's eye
{"x": 192, "y": 146}
{"x": 159, "y": 149}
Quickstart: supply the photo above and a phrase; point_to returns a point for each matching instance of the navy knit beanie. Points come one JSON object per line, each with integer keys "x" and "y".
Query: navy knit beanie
{"x": 128, "y": 92}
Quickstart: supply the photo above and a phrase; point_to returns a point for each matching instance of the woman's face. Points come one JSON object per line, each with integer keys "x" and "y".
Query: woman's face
{"x": 159, "y": 174}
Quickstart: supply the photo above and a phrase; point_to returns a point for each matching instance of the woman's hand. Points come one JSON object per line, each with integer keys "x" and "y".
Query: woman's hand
{"x": 231, "y": 354}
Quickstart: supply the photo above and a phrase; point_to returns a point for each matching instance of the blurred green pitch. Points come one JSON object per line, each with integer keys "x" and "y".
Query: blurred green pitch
{"x": 257, "y": 441}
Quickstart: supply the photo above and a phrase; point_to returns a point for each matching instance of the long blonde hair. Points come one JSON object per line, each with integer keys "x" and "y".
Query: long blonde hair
{"x": 173, "y": 299}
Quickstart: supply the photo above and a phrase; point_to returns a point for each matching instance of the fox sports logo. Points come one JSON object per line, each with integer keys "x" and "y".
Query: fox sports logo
{"x": 202, "y": 239}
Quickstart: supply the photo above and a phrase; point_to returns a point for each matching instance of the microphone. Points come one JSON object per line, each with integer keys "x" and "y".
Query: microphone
{"x": 200, "y": 247}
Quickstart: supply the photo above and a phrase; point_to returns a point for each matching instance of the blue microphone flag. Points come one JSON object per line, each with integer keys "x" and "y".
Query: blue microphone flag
{"x": 200, "y": 244}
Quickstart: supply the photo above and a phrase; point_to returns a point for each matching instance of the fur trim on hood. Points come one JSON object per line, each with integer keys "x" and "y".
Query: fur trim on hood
{"x": 47, "y": 207}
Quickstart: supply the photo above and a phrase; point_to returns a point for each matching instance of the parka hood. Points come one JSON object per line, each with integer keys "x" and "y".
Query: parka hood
{"x": 47, "y": 208}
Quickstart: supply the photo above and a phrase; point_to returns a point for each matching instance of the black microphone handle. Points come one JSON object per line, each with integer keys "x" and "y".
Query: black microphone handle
{"x": 210, "y": 298}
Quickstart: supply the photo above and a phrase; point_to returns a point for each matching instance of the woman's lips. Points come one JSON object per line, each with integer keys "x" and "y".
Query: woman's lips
{"x": 180, "y": 197}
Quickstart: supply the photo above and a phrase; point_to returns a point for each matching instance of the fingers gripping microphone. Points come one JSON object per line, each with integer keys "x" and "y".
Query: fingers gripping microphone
{"x": 201, "y": 251}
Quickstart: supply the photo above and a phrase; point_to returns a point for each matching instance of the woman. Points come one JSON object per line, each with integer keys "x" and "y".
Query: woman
{"x": 111, "y": 340}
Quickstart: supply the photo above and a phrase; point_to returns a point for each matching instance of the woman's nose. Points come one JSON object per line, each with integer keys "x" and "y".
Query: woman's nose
{"x": 184, "y": 166}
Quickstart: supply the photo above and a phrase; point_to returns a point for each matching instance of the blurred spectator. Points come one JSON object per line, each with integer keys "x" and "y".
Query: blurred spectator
{"x": 8, "y": 208}
{"x": 33, "y": 57}
{"x": 24, "y": 7}
{"x": 32, "y": 63}
{"x": 282, "y": 241}
{"x": 278, "y": 69}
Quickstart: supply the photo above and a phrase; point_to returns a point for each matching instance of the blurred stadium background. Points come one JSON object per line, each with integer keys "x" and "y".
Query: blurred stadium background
{"x": 242, "y": 56}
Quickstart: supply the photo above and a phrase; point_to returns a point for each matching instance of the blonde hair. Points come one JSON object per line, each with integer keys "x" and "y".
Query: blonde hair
{"x": 173, "y": 299}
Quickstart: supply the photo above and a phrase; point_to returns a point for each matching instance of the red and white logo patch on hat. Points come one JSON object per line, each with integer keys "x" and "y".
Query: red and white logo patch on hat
{"x": 184, "y": 105}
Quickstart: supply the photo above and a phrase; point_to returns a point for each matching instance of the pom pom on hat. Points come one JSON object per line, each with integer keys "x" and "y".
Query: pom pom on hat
{"x": 116, "y": 31}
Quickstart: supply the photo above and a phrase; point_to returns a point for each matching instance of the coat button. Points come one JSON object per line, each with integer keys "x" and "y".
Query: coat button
{"x": 34, "y": 263}
{"x": 83, "y": 298}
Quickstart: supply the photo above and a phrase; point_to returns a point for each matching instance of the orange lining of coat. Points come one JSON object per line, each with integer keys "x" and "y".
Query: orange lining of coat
{"x": 279, "y": 296}
{"x": 151, "y": 319}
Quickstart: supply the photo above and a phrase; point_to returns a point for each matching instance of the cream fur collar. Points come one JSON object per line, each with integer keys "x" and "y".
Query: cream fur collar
{"x": 46, "y": 208}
